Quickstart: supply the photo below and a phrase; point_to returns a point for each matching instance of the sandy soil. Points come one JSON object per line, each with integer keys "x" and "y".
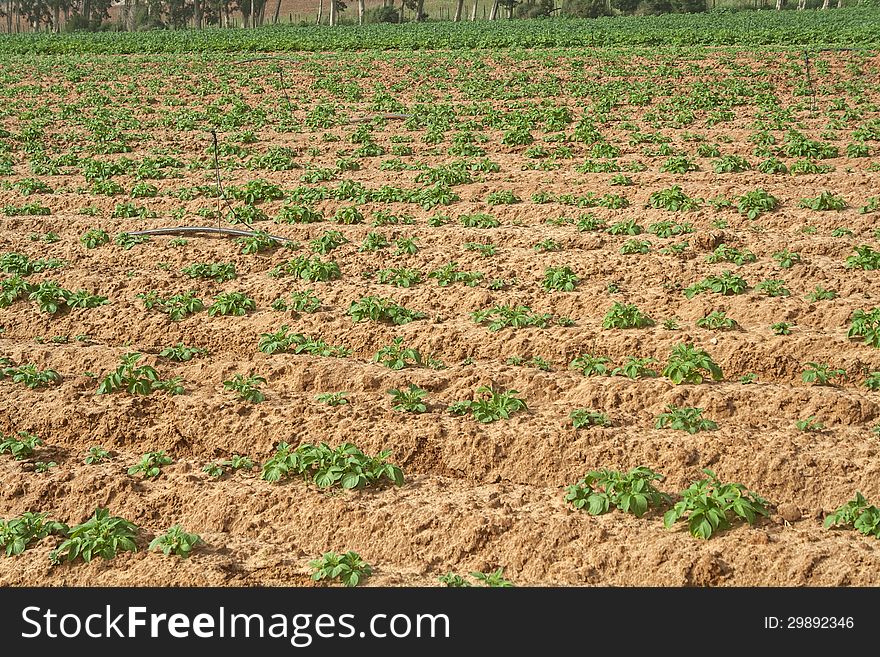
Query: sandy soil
{"x": 476, "y": 496}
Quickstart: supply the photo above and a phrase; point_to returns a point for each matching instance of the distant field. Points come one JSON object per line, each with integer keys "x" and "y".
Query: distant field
{"x": 857, "y": 27}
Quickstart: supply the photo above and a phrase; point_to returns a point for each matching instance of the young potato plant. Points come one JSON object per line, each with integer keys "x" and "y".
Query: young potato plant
{"x": 755, "y": 203}
{"x": 31, "y": 376}
{"x": 636, "y": 368}
{"x": 858, "y": 514}
{"x": 495, "y": 579}
{"x": 94, "y": 237}
{"x": 348, "y": 568}
{"x": 717, "y": 321}
{"x": 231, "y": 303}
{"x": 687, "y": 364}
{"x": 137, "y": 379}
{"x": 821, "y": 374}
{"x": 379, "y": 309}
{"x": 345, "y": 466}
{"x": 626, "y": 316}
{"x": 409, "y": 400}
{"x": 683, "y": 418}
{"x": 584, "y": 417}
{"x": 590, "y": 365}
{"x": 20, "y": 445}
{"x": 865, "y": 324}
{"x": 396, "y": 356}
{"x": 492, "y": 404}
{"x": 150, "y": 465}
{"x": 726, "y": 284}
{"x": 219, "y": 272}
{"x": 724, "y": 253}
{"x": 176, "y": 541}
{"x": 399, "y": 276}
{"x": 559, "y": 279}
{"x": 332, "y": 398}
{"x": 177, "y": 306}
{"x": 710, "y": 506}
{"x": 810, "y": 425}
{"x": 308, "y": 269}
{"x": 303, "y": 301}
{"x": 630, "y": 492}
{"x": 499, "y": 317}
{"x": 102, "y": 535}
{"x": 248, "y": 388}
{"x": 181, "y": 353}
{"x": 19, "y": 533}
{"x": 865, "y": 258}
{"x": 96, "y": 455}
{"x": 283, "y": 340}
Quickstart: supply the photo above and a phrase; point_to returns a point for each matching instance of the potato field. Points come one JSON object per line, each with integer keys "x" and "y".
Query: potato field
{"x": 547, "y": 316}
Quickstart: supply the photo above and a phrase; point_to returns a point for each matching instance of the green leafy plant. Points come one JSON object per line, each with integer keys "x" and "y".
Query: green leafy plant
{"x": 710, "y": 506}
{"x": 755, "y": 203}
{"x": 823, "y": 202}
{"x": 561, "y": 279}
{"x": 410, "y": 400}
{"x": 31, "y": 376}
{"x": 396, "y": 356}
{"x": 379, "y": 309}
{"x": 584, "y": 417}
{"x": 630, "y": 492}
{"x": 348, "y": 568}
{"x": 102, "y": 535}
{"x": 150, "y": 465}
{"x": 176, "y": 541}
{"x": 636, "y": 368}
{"x": 687, "y": 364}
{"x": 495, "y": 579}
{"x": 231, "y": 303}
{"x": 248, "y": 388}
{"x": 773, "y": 288}
{"x": 96, "y": 455}
{"x": 20, "y": 445}
{"x": 683, "y": 418}
{"x": 626, "y": 316}
{"x": 810, "y": 425}
{"x": 590, "y": 365}
{"x": 181, "y": 353}
{"x": 19, "y": 533}
{"x": 136, "y": 379}
{"x": 865, "y": 324}
{"x": 858, "y": 514}
{"x": 332, "y": 398}
{"x": 821, "y": 373}
{"x": 499, "y": 317}
{"x": 94, "y": 237}
{"x": 345, "y": 466}
{"x": 717, "y": 321}
{"x": 865, "y": 258}
{"x": 492, "y": 404}
{"x": 214, "y": 271}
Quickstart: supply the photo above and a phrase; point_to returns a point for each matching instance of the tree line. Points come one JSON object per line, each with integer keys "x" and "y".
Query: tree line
{"x": 53, "y": 15}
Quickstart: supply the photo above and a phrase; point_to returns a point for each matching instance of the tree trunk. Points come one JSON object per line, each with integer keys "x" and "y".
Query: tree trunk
{"x": 474, "y": 11}
{"x": 778, "y": 5}
{"x": 402, "y": 7}
{"x": 458, "y": 8}
{"x": 826, "y": 4}
{"x": 420, "y": 10}
{"x": 320, "y": 12}
{"x": 361, "y": 9}
{"x": 56, "y": 22}
{"x": 332, "y": 13}
{"x": 494, "y": 13}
